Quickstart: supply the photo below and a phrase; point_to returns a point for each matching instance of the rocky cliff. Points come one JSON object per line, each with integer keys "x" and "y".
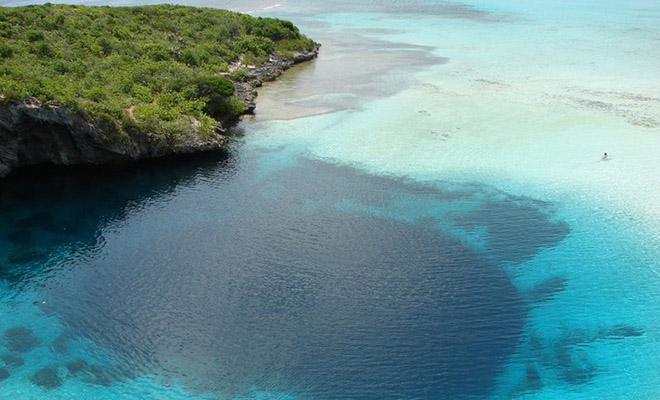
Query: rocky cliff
{"x": 32, "y": 133}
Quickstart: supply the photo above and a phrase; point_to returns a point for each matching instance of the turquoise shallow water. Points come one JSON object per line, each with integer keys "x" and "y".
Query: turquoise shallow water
{"x": 420, "y": 213}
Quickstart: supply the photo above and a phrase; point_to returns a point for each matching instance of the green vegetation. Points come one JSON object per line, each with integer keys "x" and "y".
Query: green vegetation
{"x": 159, "y": 70}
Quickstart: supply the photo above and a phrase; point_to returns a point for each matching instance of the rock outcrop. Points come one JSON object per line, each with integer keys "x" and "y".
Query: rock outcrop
{"x": 269, "y": 71}
{"x": 32, "y": 133}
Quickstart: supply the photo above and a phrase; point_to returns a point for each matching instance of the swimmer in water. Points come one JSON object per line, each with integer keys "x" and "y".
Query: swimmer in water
{"x": 604, "y": 157}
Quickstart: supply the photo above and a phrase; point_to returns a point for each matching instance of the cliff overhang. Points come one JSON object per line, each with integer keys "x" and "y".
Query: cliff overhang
{"x": 35, "y": 133}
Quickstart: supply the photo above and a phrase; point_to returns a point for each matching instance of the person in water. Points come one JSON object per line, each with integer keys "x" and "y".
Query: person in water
{"x": 604, "y": 157}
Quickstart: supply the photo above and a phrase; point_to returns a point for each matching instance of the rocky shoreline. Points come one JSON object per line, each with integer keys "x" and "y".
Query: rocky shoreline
{"x": 32, "y": 133}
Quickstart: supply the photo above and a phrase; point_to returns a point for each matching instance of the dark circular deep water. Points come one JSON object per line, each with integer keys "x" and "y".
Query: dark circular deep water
{"x": 228, "y": 274}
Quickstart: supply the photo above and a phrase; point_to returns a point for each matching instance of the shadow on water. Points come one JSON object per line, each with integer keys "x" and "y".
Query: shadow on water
{"x": 43, "y": 209}
{"x": 307, "y": 280}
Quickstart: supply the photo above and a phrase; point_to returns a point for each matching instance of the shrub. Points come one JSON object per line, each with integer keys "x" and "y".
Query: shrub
{"x": 62, "y": 67}
{"x": 34, "y": 36}
{"x": 190, "y": 57}
{"x": 105, "y": 45}
{"x": 291, "y": 45}
{"x": 259, "y": 46}
{"x": 6, "y": 51}
{"x": 44, "y": 50}
{"x": 159, "y": 54}
{"x": 58, "y": 20}
{"x": 96, "y": 94}
{"x": 214, "y": 86}
{"x": 6, "y": 30}
{"x": 141, "y": 93}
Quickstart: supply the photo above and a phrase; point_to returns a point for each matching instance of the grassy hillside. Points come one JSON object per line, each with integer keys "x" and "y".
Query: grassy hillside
{"x": 152, "y": 69}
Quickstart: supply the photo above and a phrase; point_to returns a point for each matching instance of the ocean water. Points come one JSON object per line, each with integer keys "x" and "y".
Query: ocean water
{"x": 420, "y": 213}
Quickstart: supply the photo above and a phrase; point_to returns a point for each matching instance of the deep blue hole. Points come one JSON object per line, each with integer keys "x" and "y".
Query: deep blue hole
{"x": 266, "y": 282}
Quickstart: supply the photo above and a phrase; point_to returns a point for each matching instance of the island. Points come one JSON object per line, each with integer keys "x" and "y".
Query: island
{"x": 92, "y": 85}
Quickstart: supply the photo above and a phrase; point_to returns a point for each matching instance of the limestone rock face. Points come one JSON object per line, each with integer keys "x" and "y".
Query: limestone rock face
{"x": 32, "y": 133}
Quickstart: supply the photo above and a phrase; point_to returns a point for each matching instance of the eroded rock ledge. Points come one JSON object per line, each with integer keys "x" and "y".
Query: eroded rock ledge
{"x": 32, "y": 133}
